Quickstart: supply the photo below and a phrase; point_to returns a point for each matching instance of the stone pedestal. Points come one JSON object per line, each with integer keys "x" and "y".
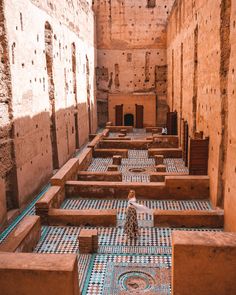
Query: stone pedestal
{"x": 121, "y": 135}
{"x": 117, "y": 160}
{"x": 123, "y": 131}
{"x": 160, "y": 168}
{"x": 88, "y": 241}
{"x": 156, "y": 130}
{"x": 159, "y": 160}
{"x": 112, "y": 168}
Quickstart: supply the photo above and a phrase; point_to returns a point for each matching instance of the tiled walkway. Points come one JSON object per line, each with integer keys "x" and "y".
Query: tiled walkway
{"x": 137, "y": 159}
{"x": 136, "y": 134}
{"x": 151, "y": 254}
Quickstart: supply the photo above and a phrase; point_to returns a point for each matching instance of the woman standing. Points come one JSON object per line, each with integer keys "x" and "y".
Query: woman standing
{"x": 131, "y": 222}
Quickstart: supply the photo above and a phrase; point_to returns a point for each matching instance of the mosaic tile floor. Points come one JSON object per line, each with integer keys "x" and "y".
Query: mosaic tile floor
{"x": 121, "y": 205}
{"x": 136, "y": 134}
{"x": 120, "y": 267}
{"x": 137, "y": 159}
{"x": 149, "y": 254}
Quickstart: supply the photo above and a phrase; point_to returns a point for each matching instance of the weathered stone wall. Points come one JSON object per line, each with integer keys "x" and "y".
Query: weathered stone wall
{"x": 201, "y": 57}
{"x": 230, "y": 162}
{"x": 131, "y": 43}
{"x": 48, "y": 74}
{"x": 147, "y": 100}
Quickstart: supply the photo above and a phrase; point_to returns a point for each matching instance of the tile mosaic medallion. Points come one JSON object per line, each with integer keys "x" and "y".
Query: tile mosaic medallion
{"x": 129, "y": 274}
{"x": 136, "y": 279}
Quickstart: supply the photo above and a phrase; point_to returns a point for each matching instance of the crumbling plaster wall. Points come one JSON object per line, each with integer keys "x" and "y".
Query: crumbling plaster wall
{"x": 71, "y": 22}
{"x": 201, "y": 86}
{"x": 131, "y": 48}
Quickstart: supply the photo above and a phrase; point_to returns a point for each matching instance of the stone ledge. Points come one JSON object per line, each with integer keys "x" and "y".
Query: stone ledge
{"x": 186, "y": 188}
{"x": 189, "y": 219}
{"x": 91, "y": 217}
{"x": 38, "y": 274}
{"x": 24, "y": 237}
{"x": 108, "y": 153}
{"x": 66, "y": 172}
{"x": 94, "y": 143}
{"x": 52, "y": 198}
{"x": 203, "y": 263}
{"x": 154, "y": 129}
{"x": 118, "y": 128}
{"x": 160, "y": 176}
{"x": 165, "y": 141}
{"x": 166, "y": 152}
{"x": 100, "y": 176}
{"x": 117, "y": 138}
{"x": 125, "y": 144}
{"x": 85, "y": 159}
{"x": 105, "y": 132}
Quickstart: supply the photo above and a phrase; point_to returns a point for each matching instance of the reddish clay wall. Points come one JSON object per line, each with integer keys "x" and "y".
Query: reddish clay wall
{"x": 3, "y": 207}
{"x": 131, "y": 42}
{"x": 201, "y": 56}
{"x": 47, "y": 83}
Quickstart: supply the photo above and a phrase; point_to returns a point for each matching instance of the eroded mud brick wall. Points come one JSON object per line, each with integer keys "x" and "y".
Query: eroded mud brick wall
{"x": 201, "y": 86}
{"x": 47, "y": 89}
{"x": 131, "y": 43}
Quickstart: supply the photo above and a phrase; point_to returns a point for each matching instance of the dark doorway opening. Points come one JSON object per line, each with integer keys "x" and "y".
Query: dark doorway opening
{"x": 129, "y": 120}
{"x": 172, "y": 126}
{"x": 119, "y": 115}
{"x": 139, "y": 116}
{"x": 185, "y": 143}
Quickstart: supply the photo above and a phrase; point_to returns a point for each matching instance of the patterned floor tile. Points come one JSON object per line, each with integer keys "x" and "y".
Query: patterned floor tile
{"x": 137, "y": 159}
{"x": 107, "y": 270}
{"x": 136, "y": 134}
{"x": 121, "y": 205}
{"x": 151, "y": 240}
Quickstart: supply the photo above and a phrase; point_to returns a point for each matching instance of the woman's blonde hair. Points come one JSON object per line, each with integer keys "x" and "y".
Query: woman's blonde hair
{"x": 131, "y": 194}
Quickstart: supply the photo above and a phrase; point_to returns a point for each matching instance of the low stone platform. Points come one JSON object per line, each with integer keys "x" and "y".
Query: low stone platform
{"x": 100, "y": 176}
{"x": 175, "y": 187}
{"x": 24, "y": 237}
{"x": 67, "y": 172}
{"x": 90, "y": 217}
{"x": 88, "y": 241}
{"x": 203, "y": 263}
{"x": 189, "y": 219}
{"x": 166, "y": 152}
{"x": 38, "y": 274}
{"x": 109, "y": 153}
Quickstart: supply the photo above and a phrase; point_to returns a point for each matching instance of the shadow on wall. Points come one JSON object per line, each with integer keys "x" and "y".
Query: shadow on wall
{"x": 32, "y": 164}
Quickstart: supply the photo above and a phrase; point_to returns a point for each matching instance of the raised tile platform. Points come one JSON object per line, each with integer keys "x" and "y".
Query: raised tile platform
{"x": 137, "y": 159}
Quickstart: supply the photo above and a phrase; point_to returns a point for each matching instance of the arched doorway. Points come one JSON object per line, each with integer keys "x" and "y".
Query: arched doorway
{"x": 129, "y": 120}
